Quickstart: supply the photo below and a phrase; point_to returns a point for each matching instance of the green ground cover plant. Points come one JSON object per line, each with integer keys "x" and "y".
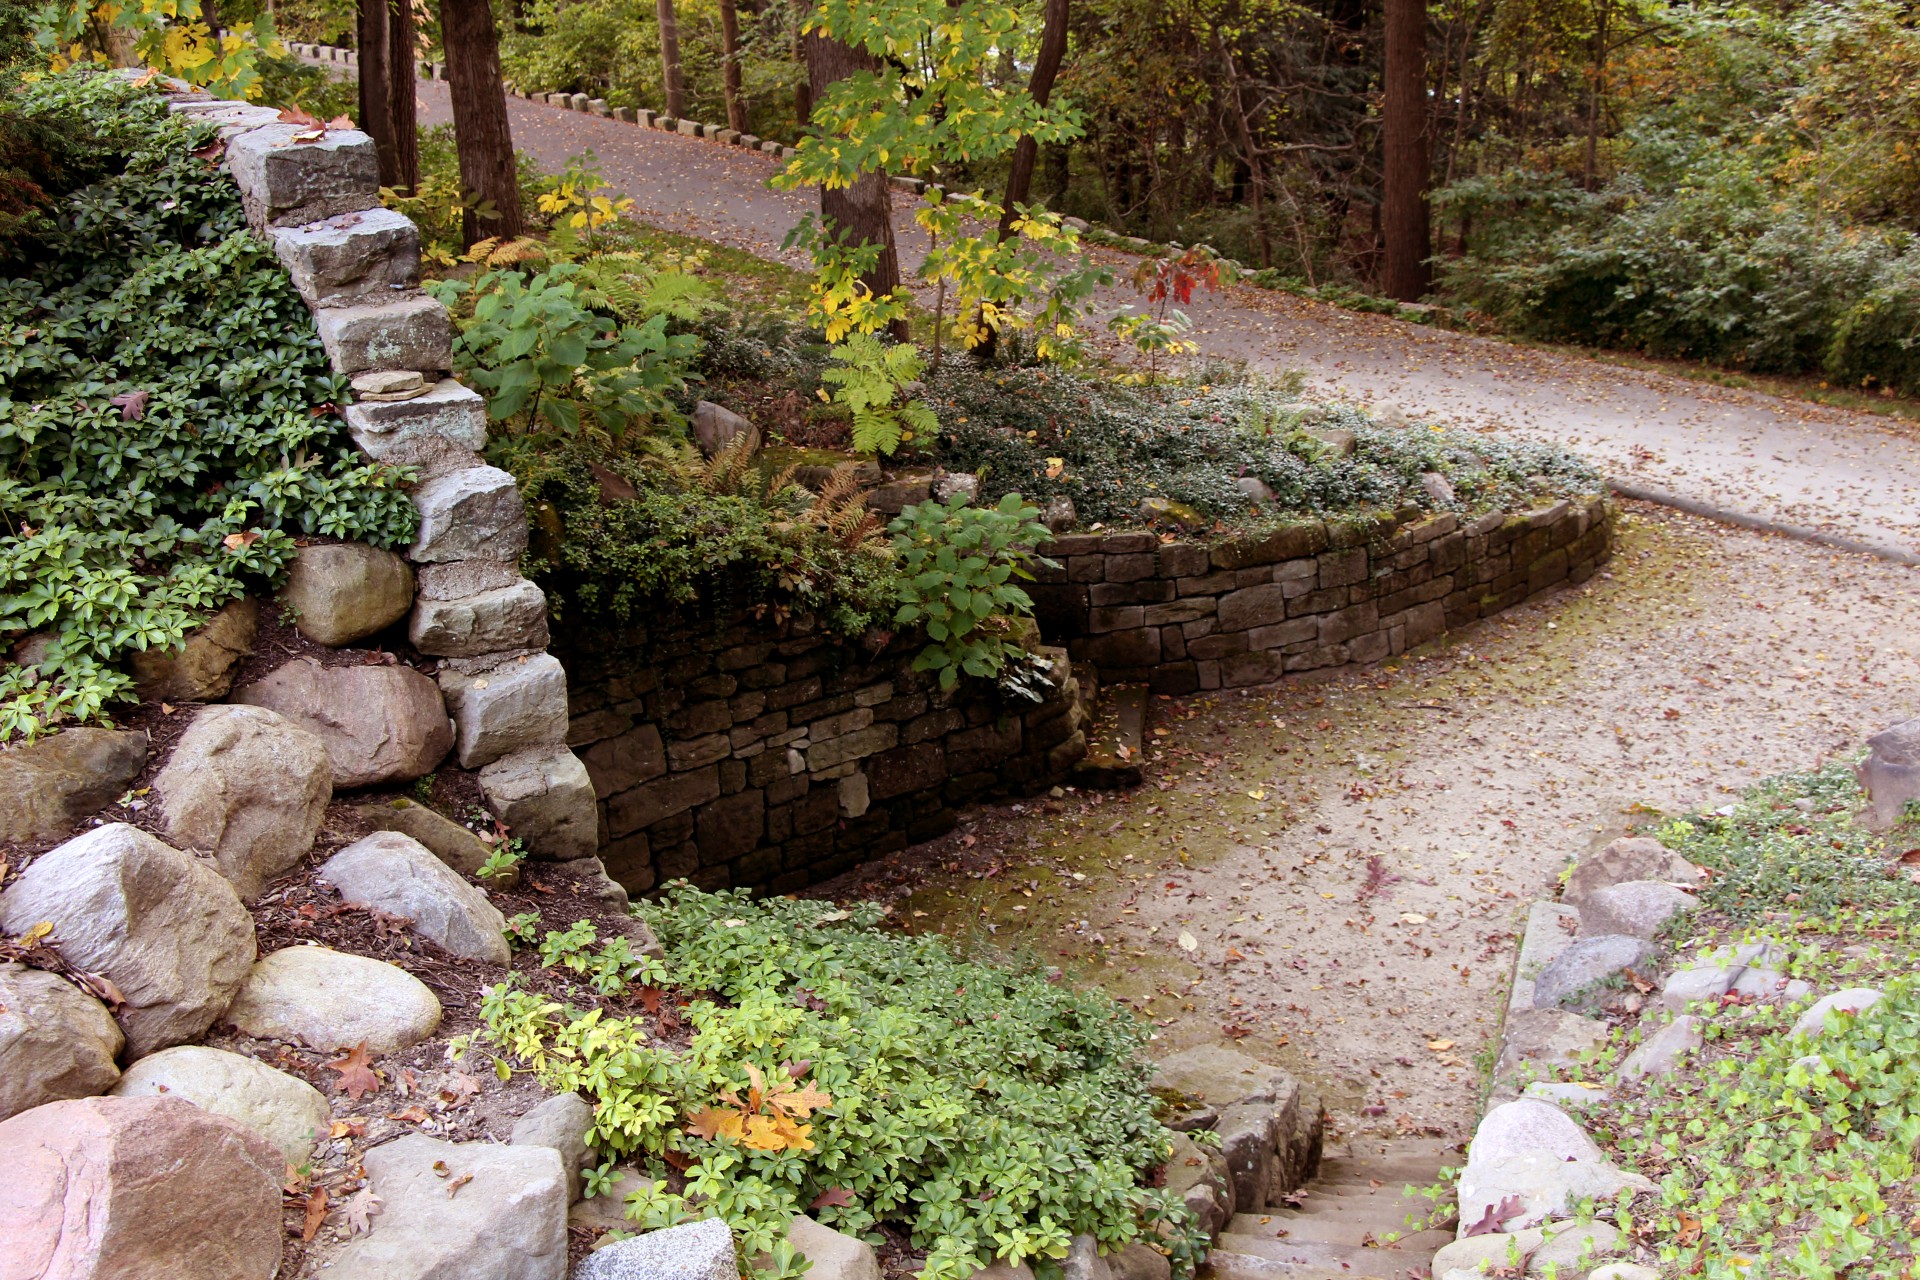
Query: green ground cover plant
{"x": 166, "y": 420}
{"x": 873, "y": 1079}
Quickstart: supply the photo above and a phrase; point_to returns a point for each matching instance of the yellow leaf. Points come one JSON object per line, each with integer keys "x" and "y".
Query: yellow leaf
{"x": 1412, "y": 917}
{"x": 1188, "y": 942}
{"x": 1257, "y": 794}
{"x": 1439, "y": 1046}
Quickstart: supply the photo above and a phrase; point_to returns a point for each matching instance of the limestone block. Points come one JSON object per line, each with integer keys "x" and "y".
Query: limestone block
{"x": 284, "y": 182}
{"x": 546, "y": 798}
{"x": 440, "y": 432}
{"x": 405, "y": 333}
{"x": 510, "y": 617}
{"x": 471, "y": 514}
{"x": 351, "y": 257}
{"x": 518, "y": 706}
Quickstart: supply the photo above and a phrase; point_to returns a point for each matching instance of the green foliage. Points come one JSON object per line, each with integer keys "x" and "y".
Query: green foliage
{"x": 165, "y": 410}
{"x": 866, "y": 375}
{"x": 866, "y": 1078}
{"x": 608, "y": 969}
{"x": 173, "y": 36}
{"x": 957, "y": 565}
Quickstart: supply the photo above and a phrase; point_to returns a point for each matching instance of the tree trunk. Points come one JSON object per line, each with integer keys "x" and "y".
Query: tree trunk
{"x": 481, "y": 133}
{"x": 671, "y": 78}
{"x": 730, "y": 65}
{"x": 1404, "y": 162}
{"x": 1046, "y": 66}
{"x": 863, "y": 212}
{"x": 402, "y": 96}
{"x": 376, "y": 116}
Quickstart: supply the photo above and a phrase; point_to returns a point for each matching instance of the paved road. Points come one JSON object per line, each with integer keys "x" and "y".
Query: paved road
{"x": 1846, "y": 475}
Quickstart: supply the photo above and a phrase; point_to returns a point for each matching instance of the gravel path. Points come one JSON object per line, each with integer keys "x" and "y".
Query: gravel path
{"x": 1848, "y": 475}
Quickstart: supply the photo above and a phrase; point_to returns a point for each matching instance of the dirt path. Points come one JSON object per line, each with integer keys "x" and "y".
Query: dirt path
{"x": 1851, "y": 475}
{"x": 1456, "y": 785}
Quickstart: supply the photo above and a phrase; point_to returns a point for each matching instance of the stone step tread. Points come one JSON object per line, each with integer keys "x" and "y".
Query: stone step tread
{"x": 1330, "y": 1253}
{"x": 1230, "y": 1262}
{"x": 1388, "y": 1216}
{"x": 1117, "y": 740}
{"x": 1338, "y": 1231}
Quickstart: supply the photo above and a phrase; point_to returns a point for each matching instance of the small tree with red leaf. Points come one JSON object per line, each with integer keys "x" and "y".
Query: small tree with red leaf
{"x": 1162, "y": 328}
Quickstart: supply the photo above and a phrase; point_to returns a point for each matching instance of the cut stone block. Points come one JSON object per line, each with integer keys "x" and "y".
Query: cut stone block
{"x": 351, "y": 257}
{"x": 408, "y": 333}
{"x": 545, "y": 798}
{"x": 512, "y": 617}
{"x": 438, "y": 432}
{"x": 475, "y": 514}
{"x": 515, "y": 707}
{"x": 287, "y": 183}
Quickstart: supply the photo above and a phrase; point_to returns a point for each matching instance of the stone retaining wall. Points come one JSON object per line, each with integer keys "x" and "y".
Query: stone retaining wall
{"x": 734, "y": 756}
{"x": 1186, "y": 617}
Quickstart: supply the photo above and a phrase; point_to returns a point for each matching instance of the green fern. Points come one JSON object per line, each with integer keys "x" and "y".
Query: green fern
{"x": 866, "y": 375}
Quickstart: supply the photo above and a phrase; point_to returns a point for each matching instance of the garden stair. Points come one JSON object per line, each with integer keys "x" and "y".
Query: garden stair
{"x": 1351, "y": 1222}
{"x": 1117, "y": 739}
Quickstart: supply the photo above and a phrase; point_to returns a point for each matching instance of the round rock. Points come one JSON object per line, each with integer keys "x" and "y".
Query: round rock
{"x": 326, "y": 999}
{"x": 1588, "y": 962}
{"x": 285, "y": 1110}
{"x": 56, "y": 1041}
{"x": 1527, "y": 1127}
{"x": 1665, "y": 1047}
{"x": 1852, "y": 1001}
{"x": 378, "y": 724}
{"x": 1636, "y": 909}
{"x": 202, "y": 669}
{"x": 344, "y": 592}
{"x": 398, "y": 875}
{"x": 48, "y": 787}
{"x": 1624, "y": 860}
{"x": 691, "y": 1251}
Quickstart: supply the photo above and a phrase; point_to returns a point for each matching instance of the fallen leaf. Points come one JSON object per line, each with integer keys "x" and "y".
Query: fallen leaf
{"x": 1257, "y": 794}
{"x": 294, "y": 115}
{"x": 412, "y": 1115}
{"x": 132, "y": 405}
{"x": 315, "y": 1215}
{"x": 238, "y": 541}
{"x": 460, "y": 1087}
{"x": 832, "y": 1198}
{"x": 357, "y": 1076}
{"x": 1188, "y": 942}
{"x": 347, "y": 1129}
{"x": 1439, "y": 1046}
{"x": 458, "y": 1183}
{"x": 340, "y": 122}
{"x": 1497, "y": 1216}
{"x": 362, "y": 1206}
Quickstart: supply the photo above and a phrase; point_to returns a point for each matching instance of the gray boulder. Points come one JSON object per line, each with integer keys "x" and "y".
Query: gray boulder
{"x": 170, "y": 934}
{"x": 1139, "y": 1261}
{"x": 389, "y": 333}
{"x": 350, "y": 257}
{"x": 50, "y": 786}
{"x": 1665, "y": 1047}
{"x": 378, "y": 724}
{"x": 835, "y": 1255}
{"x": 396, "y": 874}
{"x": 471, "y": 514}
{"x": 201, "y": 670}
{"x": 1059, "y": 515}
{"x": 344, "y": 592}
{"x": 440, "y": 432}
{"x": 716, "y": 426}
{"x": 56, "y": 1041}
{"x": 247, "y": 787}
{"x": 283, "y": 1109}
{"x": 561, "y": 1123}
{"x": 509, "y": 617}
{"x": 446, "y": 839}
{"x": 1890, "y": 775}
{"x": 1627, "y": 859}
{"x": 950, "y": 484}
{"x": 1528, "y": 1127}
{"x": 1550, "y": 930}
{"x": 1854, "y": 1000}
{"x": 1250, "y": 1142}
{"x": 546, "y": 798}
{"x": 289, "y": 183}
{"x": 1635, "y": 909}
{"x": 1697, "y": 982}
{"x": 1533, "y": 1151}
{"x": 513, "y": 707}
{"x": 465, "y": 1209}
{"x": 700, "y": 1250}
{"x": 1588, "y": 962}
{"x": 326, "y": 999}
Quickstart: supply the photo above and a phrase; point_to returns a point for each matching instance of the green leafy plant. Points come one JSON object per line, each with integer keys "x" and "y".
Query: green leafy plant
{"x": 957, "y": 566}
{"x": 866, "y": 375}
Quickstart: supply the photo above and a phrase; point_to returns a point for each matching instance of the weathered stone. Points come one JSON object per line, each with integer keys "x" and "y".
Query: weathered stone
{"x": 1587, "y": 963}
{"x": 716, "y": 426}
{"x": 1550, "y": 930}
{"x": 1437, "y": 487}
{"x": 1060, "y": 515}
{"x": 1567, "y": 1095}
{"x": 1854, "y": 1000}
{"x": 396, "y": 874}
{"x": 326, "y": 999}
{"x": 287, "y": 183}
{"x": 202, "y": 669}
{"x": 1255, "y": 488}
{"x": 1635, "y": 909}
{"x": 56, "y": 1041}
{"x": 1139, "y": 1262}
{"x": 1531, "y": 1150}
{"x": 169, "y": 933}
{"x": 389, "y": 386}
{"x": 378, "y": 724}
{"x": 1625, "y": 860}
{"x": 1890, "y": 774}
{"x": 342, "y": 592}
{"x": 700, "y": 1250}
{"x": 1250, "y": 1135}
{"x": 1660, "y": 1051}
{"x": 350, "y": 257}
{"x": 834, "y": 1254}
{"x": 475, "y": 514}
{"x": 283, "y": 1109}
{"x": 544, "y": 797}
{"x": 135, "y": 1188}
{"x": 446, "y": 839}
{"x": 1547, "y": 1038}
{"x": 563, "y": 1124}
{"x": 458, "y": 579}
{"x": 1480, "y": 1254}
{"x": 511, "y": 617}
{"x": 1200, "y": 1177}
{"x": 468, "y": 1209}
{"x": 950, "y": 484}
{"x": 248, "y": 787}
{"x": 1697, "y": 982}
{"x": 405, "y": 333}
{"x": 1571, "y": 1247}
{"x": 440, "y": 432}
{"x": 48, "y": 787}
{"x": 518, "y": 706}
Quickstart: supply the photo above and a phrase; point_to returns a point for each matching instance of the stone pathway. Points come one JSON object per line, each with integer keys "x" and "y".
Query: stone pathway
{"x": 1847, "y": 475}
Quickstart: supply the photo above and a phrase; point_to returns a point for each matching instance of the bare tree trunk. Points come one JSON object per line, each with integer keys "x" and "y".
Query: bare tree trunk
{"x": 1256, "y": 172}
{"x": 1595, "y": 94}
{"x": 802, "y": 89}
{"x": 402, "y": 96}
{"x": 672, "y": 80}
{"x": 1046, "y": 67}
{"x": 376, "y": 116}
{"x": 863, "y": 212}
{"x": 730, "y": 65}
{"x": 1404, "y": 163}
{"x": 481, "y": 132}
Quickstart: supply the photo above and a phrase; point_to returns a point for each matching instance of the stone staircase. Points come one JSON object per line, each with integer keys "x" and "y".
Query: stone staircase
{"x": 1350, "y": 1223}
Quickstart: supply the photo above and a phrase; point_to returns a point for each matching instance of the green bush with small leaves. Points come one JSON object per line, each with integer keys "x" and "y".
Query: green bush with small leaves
{"x": 957, "y": 563}
{"x": 166, "y": 420}
{"x": 866, "y": 1078}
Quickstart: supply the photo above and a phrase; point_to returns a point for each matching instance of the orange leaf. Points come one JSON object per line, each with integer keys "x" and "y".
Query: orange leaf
{"x": 716, "y": 1122}
{"x": 294, "y": 115}
{"x": 340, "y": 122}
{"x": 316, "y": 1213}
{"x": 801, "y": 1101}
{"x": 357, "y": 1076}
{"x": 763, "y": 1134}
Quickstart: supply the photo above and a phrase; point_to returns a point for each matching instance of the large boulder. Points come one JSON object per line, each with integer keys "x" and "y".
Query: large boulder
{"x": 169, "y": 933}
{"x": 56, "y": 1041}
{"x": 835, "y": 1255}
{"x": 446, "y": 839}
{"x": 379, "y": 724}
{"x": 346, "y": 591}
{"x": 462, "y": 1209}
{"x": 1840, "y": 1005}
{"x": 1627, "y": 859}
{"x": 1636, "y": 909}
{"x": 700, "y": 1250}
{"x": 1532, "y": 1151}
{"x": 326, "y": 999}
{"x": 284, "y": 1109}
{"x": 1890, "y": 775}
{"x": 201, "y": 670}
{"x": 562, "y": 1123}
{"x": 248, "y": 787}
{"x": 398, "y": 875}
{"x": 1588, "y": 963}
{"x": 506, "y": 709}
{"x": 716, "y": 426}
{"x": 134, "y": 1188}
{"x": 48, "y": 787}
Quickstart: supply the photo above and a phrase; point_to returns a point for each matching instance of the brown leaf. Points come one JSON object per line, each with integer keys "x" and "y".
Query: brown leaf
{"x": 315, "y": 1215}
{"x": 832, "y": 1197}
{"x": 362, "y": 1206}
{"x": 412, "y": 1115}
{"x": 1497, "y": 1215}
{"x": 458, "y": 1183}
{"x": 357, "y": 1076}
{"x": 294, "y": 115}
{"x": 238, "y": 541}
{"x": 459, "y": 1089}
{"x": 1910, "y": 857}
{"x": 132, "y": 405}
{"x": 340, "y": 122}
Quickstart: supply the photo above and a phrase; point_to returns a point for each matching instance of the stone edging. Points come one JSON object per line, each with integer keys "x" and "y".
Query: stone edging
{"x": 314, "y": 195}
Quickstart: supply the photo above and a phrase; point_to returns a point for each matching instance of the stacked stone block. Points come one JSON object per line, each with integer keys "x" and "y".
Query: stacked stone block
{"x": 735, "y": 756}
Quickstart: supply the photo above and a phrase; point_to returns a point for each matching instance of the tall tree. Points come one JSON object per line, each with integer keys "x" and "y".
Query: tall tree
{"x": 1405, "y": 166}
{"x": 730, "y": 65}
{"x": 402, "y": 96}
{"x": 672, "y": 78}
{"x": 862, "y": 212}
{"x": 482, "y": 134}
{"x": 376, "y": 114}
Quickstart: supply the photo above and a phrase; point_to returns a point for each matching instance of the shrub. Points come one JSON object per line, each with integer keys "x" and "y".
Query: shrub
{"x": 956, "y": 565}
{"x": 166, "y": 421}
{"x": 869, "y": 1079}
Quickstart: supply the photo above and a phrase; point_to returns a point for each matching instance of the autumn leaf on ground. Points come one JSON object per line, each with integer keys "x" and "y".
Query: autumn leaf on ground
{"x": 716, "y": 1122}
{"x": 832, "y": 1198}
{"x": 360, "y": 1207}
{"x": 294, "y": 115}
{"x": 357, "y": 1076}
{"x": 316, "y": 1213}
{"x": 132, "y": 405}
{"x": 1497, "y": 1215}
{"x": 240, "y": 541}
{"x": 459, "y": 1089}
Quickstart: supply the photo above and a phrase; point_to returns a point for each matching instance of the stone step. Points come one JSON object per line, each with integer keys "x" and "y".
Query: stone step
{"x": 1249, "y": 1258}
{"x": 1116, "y": 740}
{"x": 1390, "y": 1214}
{"x": 1335, "y": 1231}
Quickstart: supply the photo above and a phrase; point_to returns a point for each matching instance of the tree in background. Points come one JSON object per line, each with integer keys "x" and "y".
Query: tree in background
{"x": 376, "y": 108}
{"x": 1406, "y": 166}
{"x": 730, "y": 67}
{"x": 403, "y": 95}
{"x": 482, "y": 134}
{"x": 672, "y": 75}
{"x": 169, "y": 35}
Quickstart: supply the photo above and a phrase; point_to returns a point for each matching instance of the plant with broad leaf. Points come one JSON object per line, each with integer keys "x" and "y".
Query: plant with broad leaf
{"x": 1162, "y": 329}
{"x": 866, "y": 375}
{"x": 173, "y": 36}
{"x": 957, "y": 568}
